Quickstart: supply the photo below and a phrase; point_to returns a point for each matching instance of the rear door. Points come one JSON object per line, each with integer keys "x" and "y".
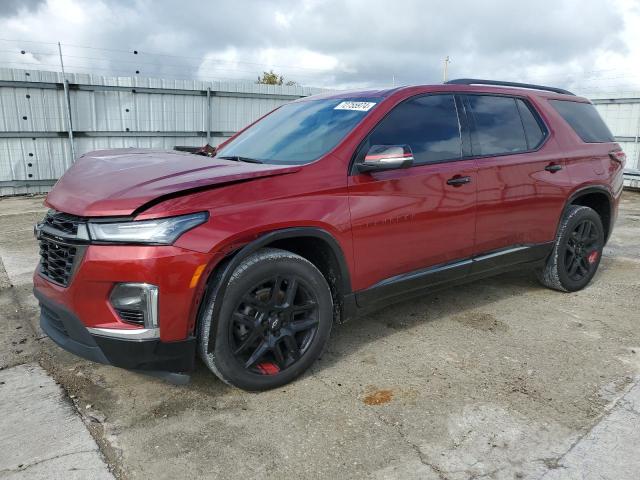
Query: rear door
{"x": 522, "y": 181}
{"x": 410, "y": 219}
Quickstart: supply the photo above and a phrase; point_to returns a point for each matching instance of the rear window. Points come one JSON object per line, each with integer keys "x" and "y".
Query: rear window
{"x": 585, "y": 120}
{"x": 498, "y": 128}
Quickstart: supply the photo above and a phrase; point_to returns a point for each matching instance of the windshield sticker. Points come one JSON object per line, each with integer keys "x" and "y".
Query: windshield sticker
{"x": 359, "y": 106}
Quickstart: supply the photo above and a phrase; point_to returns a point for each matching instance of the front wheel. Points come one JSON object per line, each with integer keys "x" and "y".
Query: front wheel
{"x": 274, "y": 321}
{"x": 576, "y": 252}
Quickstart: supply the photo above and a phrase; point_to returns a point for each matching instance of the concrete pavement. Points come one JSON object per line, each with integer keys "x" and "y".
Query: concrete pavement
{"x": 499, "y": 379}
{"x": 41, "y": 434}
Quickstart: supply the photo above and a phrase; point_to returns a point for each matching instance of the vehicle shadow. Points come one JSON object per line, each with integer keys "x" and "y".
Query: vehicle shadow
{"x": 348, "y": 339}
{"x": 467, "y": 301}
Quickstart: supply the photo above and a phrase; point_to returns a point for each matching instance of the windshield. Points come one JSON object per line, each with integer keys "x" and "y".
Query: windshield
{"x": 298, "y": 132}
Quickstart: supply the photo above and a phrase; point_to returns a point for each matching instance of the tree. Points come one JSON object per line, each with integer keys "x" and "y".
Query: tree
{"x": 272, "y": 78}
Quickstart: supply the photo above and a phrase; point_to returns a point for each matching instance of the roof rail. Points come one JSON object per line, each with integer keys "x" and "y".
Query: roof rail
{"x": 477, "y": 81}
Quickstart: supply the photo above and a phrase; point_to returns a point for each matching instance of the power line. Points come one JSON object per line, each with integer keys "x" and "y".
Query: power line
{"x": 142, "y": 52}
{"x": 128, "y": 73}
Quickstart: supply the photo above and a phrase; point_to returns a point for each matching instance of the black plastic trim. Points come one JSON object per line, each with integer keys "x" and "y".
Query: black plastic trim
{"x": 503, "y": 259}
{"x": 222, "y": 280}
{"x": 585, "y": 191}
{"x": 297, "y": 232}
{"x": 154, "y": 356}
{"x": 407, "y": 284}
{"x": 410, "y": 284}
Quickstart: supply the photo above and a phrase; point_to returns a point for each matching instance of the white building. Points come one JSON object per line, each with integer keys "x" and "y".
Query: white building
{"x": 621, "y": 111}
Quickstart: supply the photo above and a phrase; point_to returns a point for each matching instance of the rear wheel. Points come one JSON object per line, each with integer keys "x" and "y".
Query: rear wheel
{"x": 275, "y": 319}
{"x": 577, "y": 251}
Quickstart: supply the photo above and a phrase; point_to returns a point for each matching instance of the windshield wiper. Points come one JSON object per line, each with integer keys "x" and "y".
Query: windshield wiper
{"x": 236, "y": 158}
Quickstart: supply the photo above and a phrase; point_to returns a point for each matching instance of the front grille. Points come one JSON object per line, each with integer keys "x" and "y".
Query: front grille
{"x": 131, "y": 316}
{"x": 62, "y": 242}
{"x": 57, "y": 260}
{"x": 63, "y": 222}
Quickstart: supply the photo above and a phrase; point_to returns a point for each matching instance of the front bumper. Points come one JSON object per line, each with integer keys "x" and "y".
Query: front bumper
{"x": 150, "y": 355}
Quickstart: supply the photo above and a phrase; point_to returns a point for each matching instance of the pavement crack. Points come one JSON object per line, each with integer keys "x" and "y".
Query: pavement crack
{"x": 619, "y": 401}
{"x": 396, "y": 427}
{"x": 418, "y": 451}
{"x": 23, "y": 467}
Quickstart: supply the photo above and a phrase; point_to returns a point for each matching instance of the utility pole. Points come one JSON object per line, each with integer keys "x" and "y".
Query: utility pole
{"x": 68, "y": 102}
{"x": 447, "y": 60}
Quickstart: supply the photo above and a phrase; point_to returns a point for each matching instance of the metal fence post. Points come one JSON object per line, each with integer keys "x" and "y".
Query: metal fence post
{"x": 636, "y": 144}
{"x": 208, "y": 115}
{"x": 67, "y": 99}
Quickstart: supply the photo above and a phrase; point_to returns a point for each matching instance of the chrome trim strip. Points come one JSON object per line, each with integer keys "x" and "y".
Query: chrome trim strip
{"x": 133, "y": 334}
{"x": 151, "y": 317}
{"x": 421, "y": 272}
{"x": 501, "y": 252}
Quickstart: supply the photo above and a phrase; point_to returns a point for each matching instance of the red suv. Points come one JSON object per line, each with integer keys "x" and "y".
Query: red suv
{"x": 326, "y": 207}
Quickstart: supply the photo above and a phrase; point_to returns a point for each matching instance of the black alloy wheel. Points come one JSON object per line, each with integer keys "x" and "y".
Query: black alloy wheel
{"x": 270, "y": 322}
{"x": 582, "y": 250}
{"x": 273, "y": 324}
{"x": 577, "y": 250}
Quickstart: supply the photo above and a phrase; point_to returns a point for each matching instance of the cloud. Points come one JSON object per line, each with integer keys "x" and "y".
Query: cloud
{"x": 12, "y": 7}
{"x": 334, "y": 43}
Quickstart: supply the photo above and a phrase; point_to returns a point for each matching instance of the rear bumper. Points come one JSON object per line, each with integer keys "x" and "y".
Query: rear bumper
{"x": 153, "y": 355}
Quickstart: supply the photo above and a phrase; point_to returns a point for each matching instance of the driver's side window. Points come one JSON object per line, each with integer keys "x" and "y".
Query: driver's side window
{"x": 428, "y": 124}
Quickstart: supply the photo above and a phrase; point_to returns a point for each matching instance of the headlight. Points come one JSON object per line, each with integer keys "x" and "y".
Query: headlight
{"x": 163, "y": 231}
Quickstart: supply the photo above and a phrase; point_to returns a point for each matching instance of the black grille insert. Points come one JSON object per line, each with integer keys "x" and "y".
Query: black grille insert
{"x": 57, "y": 260}
{"x": 131, "y": 316}
{"x": 63, "y": 222}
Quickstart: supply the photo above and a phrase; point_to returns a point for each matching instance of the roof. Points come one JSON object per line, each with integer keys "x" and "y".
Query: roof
{"x": 461, "y": 85}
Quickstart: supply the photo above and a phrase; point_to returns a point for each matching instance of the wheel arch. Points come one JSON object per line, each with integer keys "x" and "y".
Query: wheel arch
{"x": 312, "y": 243}
{"x": 597, "y": 198}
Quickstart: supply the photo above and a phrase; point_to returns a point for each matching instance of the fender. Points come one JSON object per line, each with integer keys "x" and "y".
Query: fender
{"x": 229, "y": 264}
{"x": 295, "y": 232}
{"x": 586, "y": 190}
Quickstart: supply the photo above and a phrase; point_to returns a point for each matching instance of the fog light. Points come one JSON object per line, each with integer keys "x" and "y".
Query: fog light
{"x": 136, "y": 303}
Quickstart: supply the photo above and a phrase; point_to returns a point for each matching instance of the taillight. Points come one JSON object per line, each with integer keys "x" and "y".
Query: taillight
{"x": 618, "y": 156}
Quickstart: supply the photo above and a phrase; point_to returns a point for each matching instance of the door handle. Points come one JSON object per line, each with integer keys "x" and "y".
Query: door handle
{"x": 458, "y": 181}
{"x": 553, "y": 167}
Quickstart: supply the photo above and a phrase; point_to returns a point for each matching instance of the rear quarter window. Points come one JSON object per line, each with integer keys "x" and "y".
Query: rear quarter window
{"x": 584, "y": 119}
{"x": 532, "y": 127}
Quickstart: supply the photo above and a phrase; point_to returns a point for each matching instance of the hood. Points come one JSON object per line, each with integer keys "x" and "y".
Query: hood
{"x": 118, "y": 182}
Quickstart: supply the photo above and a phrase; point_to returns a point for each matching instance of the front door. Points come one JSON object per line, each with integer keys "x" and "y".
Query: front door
{"x": 410, "y": 219}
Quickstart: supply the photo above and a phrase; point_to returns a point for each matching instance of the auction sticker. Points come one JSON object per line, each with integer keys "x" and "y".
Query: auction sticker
{"x": 359, "y": 106}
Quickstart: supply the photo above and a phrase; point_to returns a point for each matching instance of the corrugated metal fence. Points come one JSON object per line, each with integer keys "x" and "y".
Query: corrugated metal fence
{"x": 622, "y": 114}
{"x": 115, "y": 112}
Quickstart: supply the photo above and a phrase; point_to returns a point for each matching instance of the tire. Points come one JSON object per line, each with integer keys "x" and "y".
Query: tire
{"x": 274, "y": 321}
{"x": 576, "y": 252}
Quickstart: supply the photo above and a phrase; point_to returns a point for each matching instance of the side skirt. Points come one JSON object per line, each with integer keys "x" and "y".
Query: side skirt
{"x": 411, "y": 284}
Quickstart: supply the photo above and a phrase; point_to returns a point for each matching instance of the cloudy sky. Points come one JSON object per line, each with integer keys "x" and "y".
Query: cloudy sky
{"x": 590, "y": 46}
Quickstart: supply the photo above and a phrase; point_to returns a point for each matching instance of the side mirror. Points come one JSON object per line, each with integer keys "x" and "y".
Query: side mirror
{"x": 386, "y": 157}
{"x": 207, "y": 151}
